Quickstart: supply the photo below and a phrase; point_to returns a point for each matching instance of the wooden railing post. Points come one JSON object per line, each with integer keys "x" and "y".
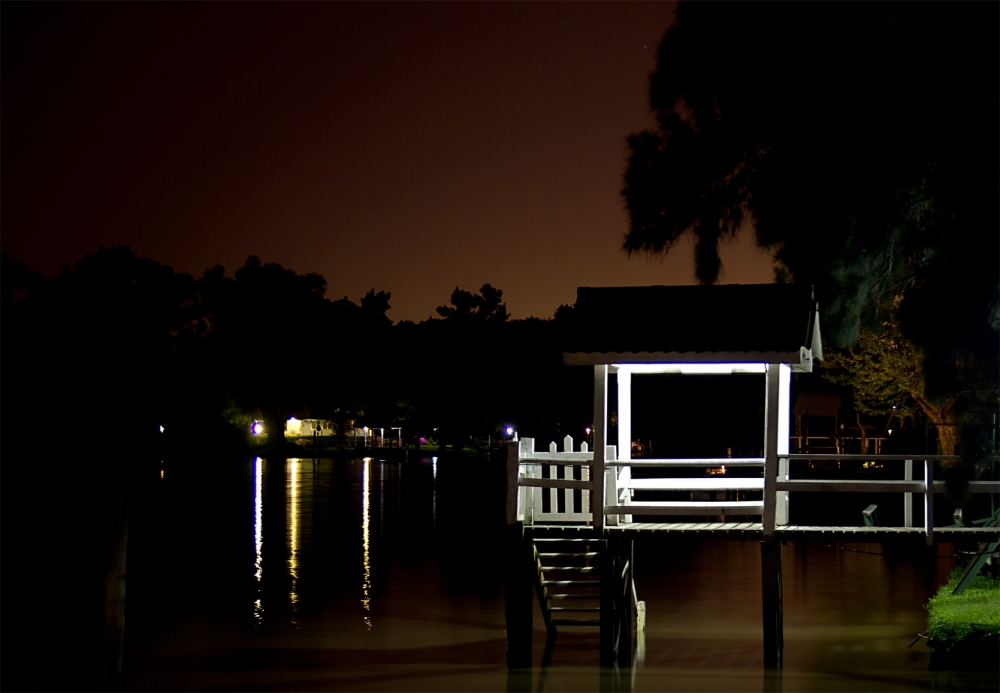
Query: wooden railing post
{"x": 611, "y": 484}
{"x": 908, "y": 497}
{"x": 600, "y": 445}
{"x": 513, "y": 489}
{"x": 530, "y": 498}
{"x": 929, "y": 500}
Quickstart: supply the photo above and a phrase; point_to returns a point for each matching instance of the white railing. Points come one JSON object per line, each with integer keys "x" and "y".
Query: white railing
{"x": 776, "y": 490}
{"x": 553, "y": 475}
{"x": 550, "y": 479}
{"x": 620, "y": 489}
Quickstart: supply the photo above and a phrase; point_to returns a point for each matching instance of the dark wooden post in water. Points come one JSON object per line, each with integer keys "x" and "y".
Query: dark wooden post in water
{"x": 770, "y": 548}
{"x": 518, "y": 578}
{"x": 623, "y": 602}
{"x": 114, "y": 581}
{"x": 770, "y": 574}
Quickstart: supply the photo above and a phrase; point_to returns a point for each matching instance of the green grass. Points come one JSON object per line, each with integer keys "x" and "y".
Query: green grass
{"x": 970, "y": 618}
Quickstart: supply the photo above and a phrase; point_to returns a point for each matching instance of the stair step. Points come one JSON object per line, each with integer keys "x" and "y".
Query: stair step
{"x": 573, "y": 622}
{"x": 571, "y": 582}
{"x": 587, "y": 554}
{"x": 577, "y": 568}
{"x": 574, "y": 608}
{"x": 598, "y": 542}
{"x": 574, "y": 596}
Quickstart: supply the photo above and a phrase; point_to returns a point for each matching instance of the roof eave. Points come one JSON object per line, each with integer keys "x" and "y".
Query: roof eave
{"x": 800, "y": 360}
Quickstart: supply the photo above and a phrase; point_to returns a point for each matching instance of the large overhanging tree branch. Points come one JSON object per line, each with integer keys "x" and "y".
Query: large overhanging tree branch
{"x": 858, "y": 142}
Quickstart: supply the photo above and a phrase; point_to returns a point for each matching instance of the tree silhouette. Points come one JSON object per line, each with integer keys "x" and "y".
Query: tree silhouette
{"x": 841, "y": 134}
{"x": 486, "y": 306}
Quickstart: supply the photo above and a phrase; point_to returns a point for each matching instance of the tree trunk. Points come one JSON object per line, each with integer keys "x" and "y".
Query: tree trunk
{"x": 945, "y": 420}
{"x": 864, "y": 435}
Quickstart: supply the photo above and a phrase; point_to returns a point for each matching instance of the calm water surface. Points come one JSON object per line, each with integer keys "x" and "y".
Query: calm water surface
{"x": 372, "y": 575}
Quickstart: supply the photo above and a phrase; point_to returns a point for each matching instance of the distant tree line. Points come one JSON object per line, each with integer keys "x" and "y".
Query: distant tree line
{"x": 119, "y": 345}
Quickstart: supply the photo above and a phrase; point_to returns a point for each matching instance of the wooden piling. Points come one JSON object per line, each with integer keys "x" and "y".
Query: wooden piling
{"x": 770, "y": 565}
{"x": 518, "y": 597}
{"x": 114, "y": 584}
{"x": 607, "y": 636}
{"x": 624, "y": 606}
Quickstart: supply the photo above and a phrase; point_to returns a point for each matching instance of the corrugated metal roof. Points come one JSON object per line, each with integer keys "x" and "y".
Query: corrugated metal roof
{"x": 703, "y": 320}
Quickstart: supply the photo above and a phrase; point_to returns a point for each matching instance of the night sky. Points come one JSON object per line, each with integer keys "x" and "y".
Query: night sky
{"x": 408, "y": 147}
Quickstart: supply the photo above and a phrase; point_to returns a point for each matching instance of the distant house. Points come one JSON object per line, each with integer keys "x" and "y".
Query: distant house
{"x": 308, "y": 427}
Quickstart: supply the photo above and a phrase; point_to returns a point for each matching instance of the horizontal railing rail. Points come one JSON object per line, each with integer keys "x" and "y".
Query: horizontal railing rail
{"x": 884, "y": 486}
{"x": 574, "y": 458}
{"x": 691, "y": 462}
{"x": 820, "y": 457}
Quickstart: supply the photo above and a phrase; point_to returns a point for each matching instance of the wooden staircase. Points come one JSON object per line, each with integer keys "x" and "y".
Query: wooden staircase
{"x": 568, "y": 581}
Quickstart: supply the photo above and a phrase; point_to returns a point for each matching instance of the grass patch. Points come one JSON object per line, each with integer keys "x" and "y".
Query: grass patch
{"x": 968, "y": 619}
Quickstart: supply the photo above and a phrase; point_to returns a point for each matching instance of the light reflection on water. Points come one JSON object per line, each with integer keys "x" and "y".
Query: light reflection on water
{"x": 432, "y": 580}
{"x": 365, "y": 530}
{"x": 293, "y": 533}
{"x": 258, "y": 533}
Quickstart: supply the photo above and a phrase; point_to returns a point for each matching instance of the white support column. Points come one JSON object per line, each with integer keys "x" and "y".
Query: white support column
{"x": 624, "y": 414}
{"x": 784, "y": 419}
{"x": 771, "y": 417}
{"x": 624, "y": 436}
{"x": 600, "y": 443}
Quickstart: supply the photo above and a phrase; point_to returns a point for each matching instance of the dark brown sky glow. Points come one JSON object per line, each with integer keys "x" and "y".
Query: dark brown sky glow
{"x": 407, "y": 147}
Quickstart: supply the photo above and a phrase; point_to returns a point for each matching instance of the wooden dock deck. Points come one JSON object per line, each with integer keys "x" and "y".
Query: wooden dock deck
{"x": 754, "y": 531}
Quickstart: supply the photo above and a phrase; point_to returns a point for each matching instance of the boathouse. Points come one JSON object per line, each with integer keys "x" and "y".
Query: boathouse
{"x": 573, "y": 515}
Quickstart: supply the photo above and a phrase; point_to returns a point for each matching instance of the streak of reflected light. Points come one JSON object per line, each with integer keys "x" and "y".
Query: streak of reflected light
{"x": 258, "y": 532}
{"x": 365, "y": 527}
{"x": 293, "y": 532}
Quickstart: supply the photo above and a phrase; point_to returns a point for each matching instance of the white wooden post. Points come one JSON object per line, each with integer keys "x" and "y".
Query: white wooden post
{"x": 611, "y": 486}
{"x": 908, "y": 497}
{"x": 784, "y": 419}
{"x": 570, "y": 474}
{"x": 600, "y": 443}
{"x": 771, "y": 416}
{"x": 929, "y": 500}
{"x": 585, "y": 475}
{"x": 624, "y": 436}
{"x": 526, "y": 501}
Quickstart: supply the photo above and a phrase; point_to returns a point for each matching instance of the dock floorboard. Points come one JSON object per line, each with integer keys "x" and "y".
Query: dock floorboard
{"x": 753, "y": 531}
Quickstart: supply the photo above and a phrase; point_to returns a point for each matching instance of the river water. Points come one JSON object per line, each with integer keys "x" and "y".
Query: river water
{"x": 375, "y": 575}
